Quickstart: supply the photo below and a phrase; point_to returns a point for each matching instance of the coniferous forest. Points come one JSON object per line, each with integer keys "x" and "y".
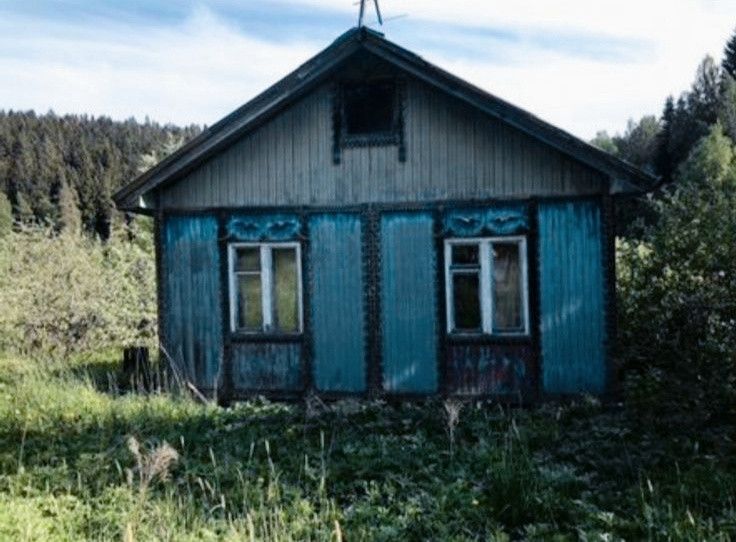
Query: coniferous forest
{"x": 62, "y": 170}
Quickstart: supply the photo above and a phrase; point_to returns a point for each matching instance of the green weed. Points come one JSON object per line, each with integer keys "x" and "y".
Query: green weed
{"x": 82, "y": 461}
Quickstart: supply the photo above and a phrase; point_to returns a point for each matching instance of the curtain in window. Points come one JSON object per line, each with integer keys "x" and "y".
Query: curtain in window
{"x": 507, "y": 287}
{"x": 285, "y": 290}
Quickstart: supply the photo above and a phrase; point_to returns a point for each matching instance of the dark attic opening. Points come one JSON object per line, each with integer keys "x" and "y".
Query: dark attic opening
{"x": 368, "y": 112}
{"x": 369, "y": 109}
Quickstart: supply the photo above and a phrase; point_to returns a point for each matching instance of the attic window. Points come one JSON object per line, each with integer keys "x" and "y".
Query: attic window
{"x": 368, "y": 113}
{"x": 369, "y": 108}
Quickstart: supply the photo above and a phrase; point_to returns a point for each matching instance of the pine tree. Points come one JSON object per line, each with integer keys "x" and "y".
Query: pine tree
{"x": 727, "y": 106}
{"x": 6, "y": 215}
{"x": 70, "y": 219}
{"x": 729, "y": 57}
{"x": 663, "y": 159}
{"x": 22, "y": 209}
{"x": 704, "y": 96}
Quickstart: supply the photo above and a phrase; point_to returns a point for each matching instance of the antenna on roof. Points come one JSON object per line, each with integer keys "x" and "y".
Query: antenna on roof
{"x": 362, "y": 12}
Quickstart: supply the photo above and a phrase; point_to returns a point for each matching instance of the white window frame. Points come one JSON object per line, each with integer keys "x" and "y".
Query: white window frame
{"x": 266, "y": 286}
{"x": 485, "y": 256}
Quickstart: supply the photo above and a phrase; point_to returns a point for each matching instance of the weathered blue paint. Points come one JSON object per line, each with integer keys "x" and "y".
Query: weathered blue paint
{"x": 267, "y": 366}
{"x": 496, "y": 220}
{"x": 409, "y": 303}
{"x": 193, "y": 310}
{"x": 572, "y": 297}
{"x": 263, "y": 227}
{"x": 485, "y": 369}
{"x": 336, "y": 287}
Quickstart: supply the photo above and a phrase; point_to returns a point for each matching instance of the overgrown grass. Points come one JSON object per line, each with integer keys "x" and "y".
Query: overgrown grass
{"x": 80, "y": 461}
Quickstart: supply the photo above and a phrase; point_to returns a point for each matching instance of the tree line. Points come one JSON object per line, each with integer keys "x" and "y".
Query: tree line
{"x": 660, "y": 145}
{"x": 676, "y": 258}
{"x": 61, "y": 171}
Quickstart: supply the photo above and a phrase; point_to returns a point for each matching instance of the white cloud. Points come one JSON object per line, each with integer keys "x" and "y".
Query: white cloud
{"x": 204, "y": 67}
{"x": 196, "y": 72}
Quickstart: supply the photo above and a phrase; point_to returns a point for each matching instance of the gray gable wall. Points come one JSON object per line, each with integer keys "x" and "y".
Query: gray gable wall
{"x": 453, "y": 152}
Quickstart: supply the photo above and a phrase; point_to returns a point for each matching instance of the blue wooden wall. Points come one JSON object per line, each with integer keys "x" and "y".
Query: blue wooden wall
{"x": 572, "y": 297}
{"x": 572, "y": 301}
{"x": 337, "y": 292}
{"x": 191, "y": 289}
{"x": 409, "y": 303}
{"x": 267, "y": 366}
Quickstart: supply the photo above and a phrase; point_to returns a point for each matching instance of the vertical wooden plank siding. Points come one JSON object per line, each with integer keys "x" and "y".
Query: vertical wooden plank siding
{"x": 573, "y": 323}
{"x": 267, "y": 367}
{"x": 192, "y": 297}
{"x": 408, "y": 303}
{"x": 337, "y": 289}
{"x": 452, "y": 153}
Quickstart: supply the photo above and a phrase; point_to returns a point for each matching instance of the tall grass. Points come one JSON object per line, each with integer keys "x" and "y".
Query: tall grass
{"x": 79, "y": 460}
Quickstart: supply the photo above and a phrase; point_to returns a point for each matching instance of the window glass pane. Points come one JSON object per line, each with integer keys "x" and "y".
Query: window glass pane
{"x": 250, "y": 311}
{"x": 285, "y": 290}
{"x": 507, "y": 293}
{"x": 248, "y": 259}
{"x": 465, "y": 254}
{"x": 466, "y": 301}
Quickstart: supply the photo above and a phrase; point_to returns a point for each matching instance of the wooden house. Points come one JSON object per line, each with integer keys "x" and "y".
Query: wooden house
{"x": 372, "y": 225}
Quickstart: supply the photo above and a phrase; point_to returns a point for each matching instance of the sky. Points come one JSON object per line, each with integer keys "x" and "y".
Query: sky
{"x": 583, "y": 65}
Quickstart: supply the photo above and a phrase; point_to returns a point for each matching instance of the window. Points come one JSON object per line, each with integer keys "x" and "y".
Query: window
{"x": 368, "y": 113}
{"x": 486, "y": 286}
{"x": 265, "y": 287}
{"x": 369, "y": 108}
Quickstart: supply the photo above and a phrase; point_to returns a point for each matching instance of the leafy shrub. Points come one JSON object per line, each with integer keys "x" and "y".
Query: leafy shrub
{"x": 64, "y": 294}
{"x": 677, "y": 308}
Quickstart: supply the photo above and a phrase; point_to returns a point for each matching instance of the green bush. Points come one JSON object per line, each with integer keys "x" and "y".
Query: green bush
{"x": 66, "y": 293}
{"x": 677, "y": 310}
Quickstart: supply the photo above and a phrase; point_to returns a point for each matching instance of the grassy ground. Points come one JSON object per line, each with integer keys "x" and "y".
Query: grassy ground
{"x": 80, "y": 461}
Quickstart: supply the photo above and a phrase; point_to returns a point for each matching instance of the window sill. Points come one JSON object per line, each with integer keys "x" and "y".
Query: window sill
{"x": 484, "y": 338}
{"x": 241, "y": 337}
{"x": 379, "y": 139}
